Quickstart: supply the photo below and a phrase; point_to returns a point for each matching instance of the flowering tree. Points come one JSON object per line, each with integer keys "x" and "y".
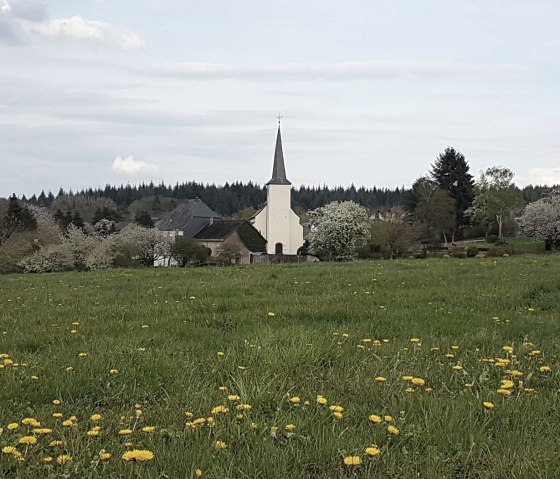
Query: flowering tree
{"x": 541, "y": 219}
{"x": 338, "y": 230}
{"x": 148, "y": 244}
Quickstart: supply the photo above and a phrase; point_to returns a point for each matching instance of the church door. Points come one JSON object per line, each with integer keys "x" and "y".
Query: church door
{"x": 279, "y": 248}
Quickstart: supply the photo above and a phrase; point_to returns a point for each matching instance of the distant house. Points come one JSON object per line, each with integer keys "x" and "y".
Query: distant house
{"x": 194, "y": 219}
{"x": 236, "y": 240}
{"x": 188, "y": 219}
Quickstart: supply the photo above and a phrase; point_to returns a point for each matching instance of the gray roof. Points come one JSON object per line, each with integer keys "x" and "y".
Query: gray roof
{"x": 189, "y": 217}
{"x": 278, "y": 168}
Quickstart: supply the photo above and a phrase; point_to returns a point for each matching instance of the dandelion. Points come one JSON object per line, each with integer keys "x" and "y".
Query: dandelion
{"x": 47, "y": 459}
{"x": 352, "y": 461}
{"x": 96, "y": 417}
{"x": 221, "y": 354}
{"x": 295, "y": 400}
{"x": 233, "y": 397}
{"x": 105, "y": 456}
{"x": 9, "y": 450}
{"x": 219, "y": 445}
{"x": 380, "y": 379}
{"x": 241, "y": 368}
{"x": 148, "y": 429}
{"x": 82, "y": 355}
{"x": 545, "y": 369}
{"x": 337, "y": 415}
{"x": 139, "y": 455}
{"x": 457, "y": 367}
{"x": 68, "y": 423}
{"x": 321, "y": 400}
{"x": 56, "y": 443}
{"x": 42, "y": 431}
{"x": 290, "y": 427}
{"x": 30, "y": 421}
{"x": 375, "y": 419}
{"x": 57, "y": 402}
{"x": 408, "y": 378}
{"x": 270, "y": 314}
{"x": 418, "y": 381}
{"x": 488, "y": 405}
{"x": 393, "y": 431}
{"x": 93, "y": 433}
{"x": 222, "y": 389}
{"x": 506, "y": 384}
{"x": 415, "y": 340}
{"x": 63, "y": 459}
{"x": 125, "y": 432}
{"x": 336, "y": 408}
{"x": 504, "y": 392}
{"x": 113, "y": 371}
{"x": 220, "y": 410}
{"x": 12, "y": 426}
{"x": 27, "y": 440}
{"x": 56, "y": 415}
{"x": 388, "y": 418}
{"x": 373, "y": 451}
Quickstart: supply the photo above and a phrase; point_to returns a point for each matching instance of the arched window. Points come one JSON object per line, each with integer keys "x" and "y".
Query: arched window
{"x": 279, "y": 248}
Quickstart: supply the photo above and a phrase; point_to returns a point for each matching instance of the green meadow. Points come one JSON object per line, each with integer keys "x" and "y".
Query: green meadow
{"x": 438, "y": 368}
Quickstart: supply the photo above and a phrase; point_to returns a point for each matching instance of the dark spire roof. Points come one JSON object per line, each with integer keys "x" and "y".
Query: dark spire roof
{"x": 278, "y": 169}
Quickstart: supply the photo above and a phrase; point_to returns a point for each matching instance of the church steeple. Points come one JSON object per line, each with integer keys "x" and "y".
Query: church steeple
{"x": 278, "y": 168}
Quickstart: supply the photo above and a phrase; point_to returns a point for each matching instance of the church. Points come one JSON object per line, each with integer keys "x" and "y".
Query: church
{"x": 276, "y": 221}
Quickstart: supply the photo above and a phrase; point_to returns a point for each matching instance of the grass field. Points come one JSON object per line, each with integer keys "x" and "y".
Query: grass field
{"x": 148, "y": 351}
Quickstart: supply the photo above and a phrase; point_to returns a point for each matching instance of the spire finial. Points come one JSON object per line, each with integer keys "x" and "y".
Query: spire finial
{"x": 279, "y": 117}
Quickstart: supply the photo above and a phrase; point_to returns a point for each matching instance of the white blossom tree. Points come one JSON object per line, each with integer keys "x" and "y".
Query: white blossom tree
{"x": 148, "y": 244}
{"x": 338, "y": 230}
{"x": 541, "y": 219}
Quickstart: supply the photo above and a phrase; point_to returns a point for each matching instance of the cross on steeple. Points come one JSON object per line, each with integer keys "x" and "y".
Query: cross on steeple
{"x": 279, "y": 117}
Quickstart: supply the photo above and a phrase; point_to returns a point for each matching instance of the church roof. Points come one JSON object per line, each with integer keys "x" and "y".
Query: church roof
{"x": 278, "y": 168}
{"x": 189, "y": 217}
{"x": 220, "y": 230}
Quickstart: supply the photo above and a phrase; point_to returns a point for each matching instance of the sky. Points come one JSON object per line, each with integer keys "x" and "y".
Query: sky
{"x": 371, "y": 91}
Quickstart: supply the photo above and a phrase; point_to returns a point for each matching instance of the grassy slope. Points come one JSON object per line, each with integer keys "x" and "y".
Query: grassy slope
{"x": 445, "y": 433}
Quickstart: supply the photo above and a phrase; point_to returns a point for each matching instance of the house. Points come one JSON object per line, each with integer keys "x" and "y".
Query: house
{"x": 194, "y": 219}
{"x": 235, "y": 240}
{"x": 187, "y": 219}
{"x": 276, "y": 221}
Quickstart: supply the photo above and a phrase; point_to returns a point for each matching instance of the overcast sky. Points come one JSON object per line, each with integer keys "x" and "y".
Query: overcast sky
{"x": 117, "y": 91}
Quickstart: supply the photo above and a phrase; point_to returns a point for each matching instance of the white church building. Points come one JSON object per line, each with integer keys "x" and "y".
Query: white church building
{"x": 276, "y": 221}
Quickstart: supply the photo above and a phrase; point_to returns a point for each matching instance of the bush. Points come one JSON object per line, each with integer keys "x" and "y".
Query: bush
{"x": 456, "y": 251}
{"x": 491, "y": 239}
{"x": 472, "y": 251}
{"x": 51, "y": 259}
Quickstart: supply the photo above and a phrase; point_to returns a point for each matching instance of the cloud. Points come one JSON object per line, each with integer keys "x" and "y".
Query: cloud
{"x": 130, "y": 166}
{"x": 381, "y": 70}
{"x": 23, "y": 20}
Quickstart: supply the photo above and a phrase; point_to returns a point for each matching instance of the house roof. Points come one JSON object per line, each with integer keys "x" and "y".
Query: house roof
{"x": 189, "y": 217}
{"x": 220, "y": 230}
{"x": 278, "y": 167}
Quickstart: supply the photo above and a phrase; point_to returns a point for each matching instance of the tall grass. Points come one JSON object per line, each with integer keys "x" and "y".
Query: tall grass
{"x": 295, "y": 330}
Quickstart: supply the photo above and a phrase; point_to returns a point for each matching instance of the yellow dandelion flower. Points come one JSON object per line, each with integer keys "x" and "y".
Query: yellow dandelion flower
{"x": 488, "y": 405}
{"x": 63, "y": 459}
{"x": 388, "y": 418}
{"x": 220, "y": 445}
{"x": 68, "y": 423}
{"x": 56, "y": 415}
{"x": 222, "y": 389}
{"x": 415, "y": 340}
{"x": 47, "y": 459}
{"x": 375, "y": 419}
{"x": 290, "y": 427}
{"x": 56, "y": 443}
{"x": 42, "y": 431}
{"x": 56, "y": 402}
{"x": 198, "y": 473}
{"x": 380, "y": 379}
{"x": 93, "y": 433}
{"x": 139, "y": 455}
{"x": 30, "y": 421}
{"x": 113, "y": 371}
{"x": 337, "y": 415}
{"x": 12, "y": 426}
{"x": 148, "y": 429}
{"x": 96, "y": 417}
{"x": 233, "y": 397}
{"x": 125, "y": 432}
{"x": 270, "y": 314}
{"x": 82, "y": 355}
{"x": 321, "y": 400}
{"x": 336, "y": 408}
{"x": 504, "y": 392}
{"x": 28, "y": 440}
{"x": 506, "y": 384}
{"x": 220, "y": 410}
{"x": 393, "y": 431}
{"x": 408, "y": 378}
{"x": 418, "y": 381}
{"x": 9, "y": 450}
{"x": 545, "y": 369}
{"x": 105, "y": 456}
{"x": 373, "y": 451}
{"x": 458, "y": 367}
{"x": 295, "y": 400}
{"x": 352, "y": 461}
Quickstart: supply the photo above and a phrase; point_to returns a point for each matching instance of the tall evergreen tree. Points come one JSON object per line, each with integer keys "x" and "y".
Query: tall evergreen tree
{"x": 451, "y": 173}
